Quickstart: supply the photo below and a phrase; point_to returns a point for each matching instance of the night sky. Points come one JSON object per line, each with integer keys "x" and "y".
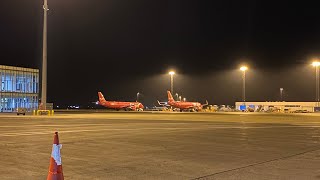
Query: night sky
{"x": 122, "y": 47}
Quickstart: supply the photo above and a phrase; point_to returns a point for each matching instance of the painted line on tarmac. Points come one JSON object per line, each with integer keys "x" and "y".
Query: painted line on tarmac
{"x": 93, "y": 130}
{"x": 11, "y": 126}
{"x": 304, "y": 125}
{"x": 13, "y": 134}
{"x": 203, "y": 126}
{"x": 258, "y": 163}
{"x": 80, "y": 125}
{"x": 72, "y": 125}
{"x": 69, "y": 131}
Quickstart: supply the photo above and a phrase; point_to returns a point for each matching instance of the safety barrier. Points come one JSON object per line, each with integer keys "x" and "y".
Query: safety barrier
{"x": 43, "y": 112}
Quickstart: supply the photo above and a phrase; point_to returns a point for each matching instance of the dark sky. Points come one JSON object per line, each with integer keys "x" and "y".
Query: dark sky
{"x": 122, "y": 47}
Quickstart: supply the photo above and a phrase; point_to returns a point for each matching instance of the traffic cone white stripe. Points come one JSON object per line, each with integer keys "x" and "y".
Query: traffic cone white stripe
{"x": 56, "y": 153}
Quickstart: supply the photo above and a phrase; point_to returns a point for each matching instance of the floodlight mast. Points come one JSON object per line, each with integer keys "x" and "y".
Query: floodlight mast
{"x": 44, "y": 57}
{"x": 244, "y": 69}
{"x": 171, "y": 73}
{"x": 316, "y": 64}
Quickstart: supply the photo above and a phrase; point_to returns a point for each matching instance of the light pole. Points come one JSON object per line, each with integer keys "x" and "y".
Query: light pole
{"x": 316, "y": 64}
{"x": 281, "y": 92}
{"x": 244, "y": 69}
{"x": 44, "y": 57}
{"x": 171, "y": 80}
{"x": 138, "y": 96}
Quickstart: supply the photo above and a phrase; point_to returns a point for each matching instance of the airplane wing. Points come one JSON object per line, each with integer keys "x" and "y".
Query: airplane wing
{"x": 163, "y": 103}
{"x": 95, "y": 102}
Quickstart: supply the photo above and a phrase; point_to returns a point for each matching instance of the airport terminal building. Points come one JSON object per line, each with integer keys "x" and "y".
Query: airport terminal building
{"x": 278, "y": 106}
{"x": 19, "y": 88}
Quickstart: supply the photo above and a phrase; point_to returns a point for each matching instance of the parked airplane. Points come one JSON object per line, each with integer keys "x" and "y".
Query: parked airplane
{"x": 127, "y": 106}
{"x": 191, "y": 106}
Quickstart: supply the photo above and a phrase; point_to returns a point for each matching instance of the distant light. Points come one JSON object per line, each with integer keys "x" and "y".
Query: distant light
{"x": 244, "y": 68}
{"x": 316, "y": 63}
{"x": 171, "y": 72}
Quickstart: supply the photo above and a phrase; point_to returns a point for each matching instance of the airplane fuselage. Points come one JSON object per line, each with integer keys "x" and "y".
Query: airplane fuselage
{"x": 119, "y": 104}
{"x": 186, "y": 105}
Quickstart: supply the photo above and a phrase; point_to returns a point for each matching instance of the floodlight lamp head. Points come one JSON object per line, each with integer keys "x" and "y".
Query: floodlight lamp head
{"x": 316, "y": 64}
{"x": 243, "y": 68}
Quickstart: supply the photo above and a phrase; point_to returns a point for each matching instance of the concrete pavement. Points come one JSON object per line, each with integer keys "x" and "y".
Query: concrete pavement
{"x": 163, "y": 146}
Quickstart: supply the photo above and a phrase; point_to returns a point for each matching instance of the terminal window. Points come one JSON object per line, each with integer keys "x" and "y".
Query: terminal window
{"x": 19, "y": 88}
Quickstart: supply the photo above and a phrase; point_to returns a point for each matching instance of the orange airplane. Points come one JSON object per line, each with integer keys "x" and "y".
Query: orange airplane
{"x": 127, "y": 106}
{"x": 190, "y": 106}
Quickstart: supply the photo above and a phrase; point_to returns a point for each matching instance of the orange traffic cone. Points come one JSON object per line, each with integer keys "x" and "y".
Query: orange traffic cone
{"x": 55, "y": 168}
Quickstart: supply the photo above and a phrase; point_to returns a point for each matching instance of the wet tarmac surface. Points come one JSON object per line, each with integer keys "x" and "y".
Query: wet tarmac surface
{"x": 163, "y": 145}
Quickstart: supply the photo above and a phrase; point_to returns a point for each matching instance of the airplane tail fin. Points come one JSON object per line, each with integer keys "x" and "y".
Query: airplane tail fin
{"x": 101, "y": 97}
{"x": 170, "y": 98}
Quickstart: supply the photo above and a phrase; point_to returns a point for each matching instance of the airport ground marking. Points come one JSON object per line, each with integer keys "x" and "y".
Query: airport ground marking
{"x": 259, "y": 163}
{"x": 10, "y": 134}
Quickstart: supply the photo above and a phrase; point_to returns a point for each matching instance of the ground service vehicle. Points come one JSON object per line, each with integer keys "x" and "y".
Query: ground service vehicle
{"x": 21, "y": 110}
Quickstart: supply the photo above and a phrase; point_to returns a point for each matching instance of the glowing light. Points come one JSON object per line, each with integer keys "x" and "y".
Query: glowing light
{"x": 171, "y": 72}
{"x": 243, "y": 68}
{"x": 316, "y": 63}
